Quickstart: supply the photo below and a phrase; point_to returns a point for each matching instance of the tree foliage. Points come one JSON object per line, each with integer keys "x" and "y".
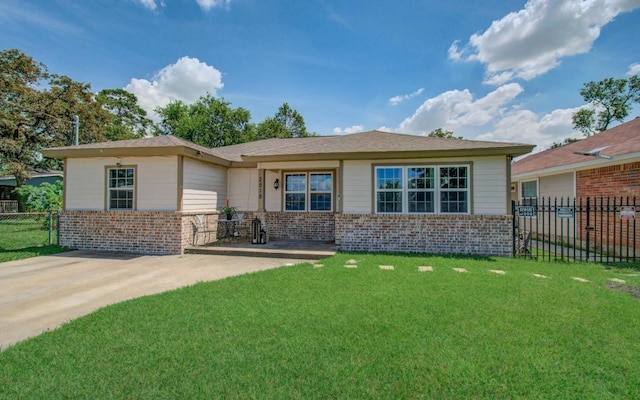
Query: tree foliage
{"x": 208, "y": 122}
{"x": 611, "y": 100}
{"x": 440, "y": 133}
{"x": 128, "y": 120}
{"x": 566, "y": 141}
{"x": 287, "y": 123}
{"x": 45, "y": 197}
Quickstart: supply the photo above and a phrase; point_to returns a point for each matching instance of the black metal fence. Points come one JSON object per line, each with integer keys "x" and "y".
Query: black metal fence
{"x": 601, "y": 229}
{"x": 23, "y": 230}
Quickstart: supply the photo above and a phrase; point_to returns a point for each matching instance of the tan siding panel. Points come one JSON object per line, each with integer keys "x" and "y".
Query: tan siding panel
{"x": 489, "y": 186}
{"x": 243, "y": 188}
{"x": 205, "y": 186}
{"x": 357, "y": 187}
{"x": 556, "y": 186}
{"x": 85, "y": 183}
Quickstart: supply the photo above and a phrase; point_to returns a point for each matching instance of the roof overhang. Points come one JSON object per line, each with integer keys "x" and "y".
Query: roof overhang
{"x": 69, "y": 152}
{"x": 512, "y": 151}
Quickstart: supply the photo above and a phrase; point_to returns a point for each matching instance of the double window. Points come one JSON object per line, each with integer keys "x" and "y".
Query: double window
{"x": 422, "y": 189}
{"x": 121, "y": 188}
{"x": 312, "y": 191}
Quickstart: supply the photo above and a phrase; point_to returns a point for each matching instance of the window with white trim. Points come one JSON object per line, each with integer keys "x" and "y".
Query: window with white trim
{"x": 530, "y": 193}
{"x": 121, "y": 188}
{"x": 422, "y": 189}
{"x": 312, "y": 191}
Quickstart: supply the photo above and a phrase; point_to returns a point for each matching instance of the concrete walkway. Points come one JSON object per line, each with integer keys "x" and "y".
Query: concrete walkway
{"x": 41, "y": 293}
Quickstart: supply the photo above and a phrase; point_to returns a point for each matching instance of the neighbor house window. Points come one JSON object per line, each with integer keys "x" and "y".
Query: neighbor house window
{"x": 311, "y": 191}
{"x": 422, "y": 189}
{"x": 530, "y": 193}
{"x": 121, "y": 188}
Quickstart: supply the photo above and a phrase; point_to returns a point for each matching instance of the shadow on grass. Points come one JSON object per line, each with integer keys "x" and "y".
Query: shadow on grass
{"x": 28, "y": 252}
{"x": 424, "y": 255}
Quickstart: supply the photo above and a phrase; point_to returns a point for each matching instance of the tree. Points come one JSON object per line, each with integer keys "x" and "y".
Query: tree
{"x": 611, "y": 100}
{"x": 287, "y": 123}
{"x": 45, "y": 197}
{"x": 36, "y": 110}
{"x": 208, "y": 122}
{"x": 128, "y": 120}
{"x": 566, "y": 141}
{"x": 440, "y": 133}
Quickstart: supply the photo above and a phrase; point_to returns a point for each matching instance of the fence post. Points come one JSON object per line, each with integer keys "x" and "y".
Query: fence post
{"x": 588, "y": 226}
{"x": 50, "y": 227}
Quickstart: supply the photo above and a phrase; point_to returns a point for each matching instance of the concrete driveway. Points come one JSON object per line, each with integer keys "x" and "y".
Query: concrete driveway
{"x": 41, "y": 293}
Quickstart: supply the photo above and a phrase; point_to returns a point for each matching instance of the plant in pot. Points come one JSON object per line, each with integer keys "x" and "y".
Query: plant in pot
{"x": 228, "y": 211}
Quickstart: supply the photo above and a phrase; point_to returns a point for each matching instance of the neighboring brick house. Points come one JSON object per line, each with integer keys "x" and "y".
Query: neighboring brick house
{"x": 370, "y": 191}
{"x": 566, "y": 172}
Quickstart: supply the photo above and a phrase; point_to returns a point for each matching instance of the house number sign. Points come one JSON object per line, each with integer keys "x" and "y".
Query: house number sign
{"x": 526, "y": 211}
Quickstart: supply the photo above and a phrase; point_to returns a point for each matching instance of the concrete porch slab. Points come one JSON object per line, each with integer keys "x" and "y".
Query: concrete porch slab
{"x": 296, "y": 249}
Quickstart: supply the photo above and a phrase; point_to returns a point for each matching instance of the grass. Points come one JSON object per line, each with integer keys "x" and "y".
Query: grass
{"x": 25, "y": 237}
{"x": 333, "y": 332}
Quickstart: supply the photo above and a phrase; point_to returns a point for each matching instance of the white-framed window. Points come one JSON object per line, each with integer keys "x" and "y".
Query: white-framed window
{"x": 121, "y": 183}
{"x": 308, "y": 191}
{"x": 422, "y": 189}
{"x": 530, "y": 193}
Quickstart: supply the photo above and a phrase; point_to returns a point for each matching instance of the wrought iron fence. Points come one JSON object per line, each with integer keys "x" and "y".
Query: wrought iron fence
{"x": 23, "y": 230}
{"x": 601, "y": 229}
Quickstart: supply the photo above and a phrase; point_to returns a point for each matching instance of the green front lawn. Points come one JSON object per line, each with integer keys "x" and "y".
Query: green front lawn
{"x": 337, "y": 332}
{"x": 25, "y": 236}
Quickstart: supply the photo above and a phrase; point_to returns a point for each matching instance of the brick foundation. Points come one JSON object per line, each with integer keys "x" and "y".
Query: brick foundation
{"x": 438, "y": 234}
{"x": 300, "y": 225}
{"x": 142, "y": 232}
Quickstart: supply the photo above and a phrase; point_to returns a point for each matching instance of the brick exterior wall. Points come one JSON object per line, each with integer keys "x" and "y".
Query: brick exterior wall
{"x": 621, "y": 181}
{"x": 143, "y": 232}
{"x": 439, "y": 234}
{"x": 300, "y": 225}
{"x": 616, "y": 180}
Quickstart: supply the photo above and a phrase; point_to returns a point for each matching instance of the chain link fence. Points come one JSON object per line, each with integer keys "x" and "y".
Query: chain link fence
{"x": 24, "y": 230}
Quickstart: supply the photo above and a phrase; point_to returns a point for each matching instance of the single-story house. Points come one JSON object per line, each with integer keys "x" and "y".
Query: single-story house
{"x": 9, "y": 199}
{"x": 369, "y": 191}
{"x": 604, "y": 167}
{"x": 575, "y": 170}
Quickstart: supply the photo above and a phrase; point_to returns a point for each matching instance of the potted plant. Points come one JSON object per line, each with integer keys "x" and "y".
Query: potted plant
{"x": 228, "y": 211}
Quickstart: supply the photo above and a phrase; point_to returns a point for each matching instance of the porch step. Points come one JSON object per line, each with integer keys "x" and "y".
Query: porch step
{"x": 305, "y": 250}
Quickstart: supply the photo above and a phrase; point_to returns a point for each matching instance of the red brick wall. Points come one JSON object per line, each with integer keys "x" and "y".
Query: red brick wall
{"x": 620, "y": 181}
{"x": 439, "y": 234}
{"x": 301, "y": 225}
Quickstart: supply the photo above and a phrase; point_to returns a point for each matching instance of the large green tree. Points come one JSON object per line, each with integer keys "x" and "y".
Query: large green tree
{"x": 611, "y": 100}
{"x": 128, "y": 120}
{"x": 286, "y": 123}
{"x": 37, "y": 110}
{"x": 208, "y": 122}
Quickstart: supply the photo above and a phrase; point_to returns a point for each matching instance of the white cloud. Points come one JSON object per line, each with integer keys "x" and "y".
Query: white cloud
{"x": 525, "y": 126}
{"x": 532, "y": 41}
{"x": 453, "y": 109}
{"x": 634, "y": 69}
{"x": 150, "y": 4}
{"x": 207, "y": 5}
{"x": 346, "y": 131}
{"x": 186, "y": 80}
{"x": 395, "y": 100}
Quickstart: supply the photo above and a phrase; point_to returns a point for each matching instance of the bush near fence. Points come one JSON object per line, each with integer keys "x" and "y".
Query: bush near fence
{"x": 23, "y": 230}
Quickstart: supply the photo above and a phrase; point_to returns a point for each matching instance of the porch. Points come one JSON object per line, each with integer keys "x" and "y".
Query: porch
{"x": 296, "y": 249}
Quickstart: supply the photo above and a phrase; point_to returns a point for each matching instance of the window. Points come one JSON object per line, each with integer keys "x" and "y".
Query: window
{"x": 311, "y": 191}
{"x": 422, "y": 189}
{"x": 530, "y": 193}
{"x": 121, "y": 188}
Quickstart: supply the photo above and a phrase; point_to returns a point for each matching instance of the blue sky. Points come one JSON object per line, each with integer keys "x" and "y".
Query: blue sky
{"x": 502, "y": 70}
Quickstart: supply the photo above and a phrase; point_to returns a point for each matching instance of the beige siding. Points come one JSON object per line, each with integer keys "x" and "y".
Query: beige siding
{"x": 205, "y": 186}
{"x": 556, "y": 186}
{"x": 156, "y": 182}
{"x": 85, "y": 183}
{"x": 489, "y": 186}
{"x": 243, "y": 188}
{"x": 300, "y": 165}
{"x": 273, "y": 198}
{"x": 357, "y": 189}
